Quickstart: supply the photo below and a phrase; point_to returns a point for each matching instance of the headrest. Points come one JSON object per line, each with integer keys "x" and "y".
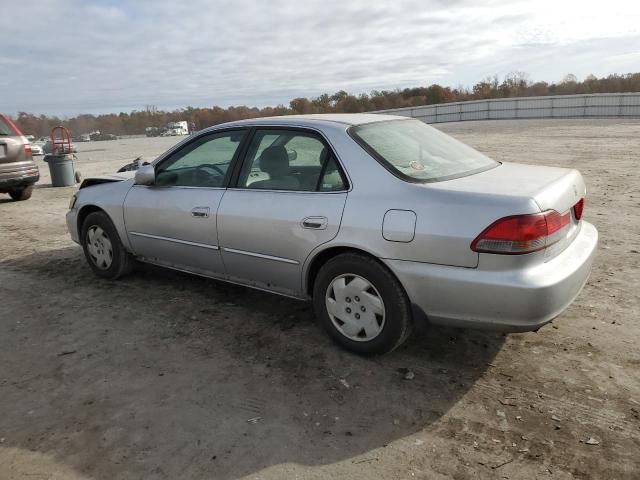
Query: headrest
{"x": 275, "y": 161}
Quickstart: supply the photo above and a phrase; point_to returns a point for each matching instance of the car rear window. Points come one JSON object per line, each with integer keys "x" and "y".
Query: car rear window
{"x": 5, "y": 128}
{"x": 416, "y": 152}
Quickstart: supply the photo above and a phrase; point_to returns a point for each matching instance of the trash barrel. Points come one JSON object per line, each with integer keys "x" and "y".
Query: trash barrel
{"x": 61, "y": 169}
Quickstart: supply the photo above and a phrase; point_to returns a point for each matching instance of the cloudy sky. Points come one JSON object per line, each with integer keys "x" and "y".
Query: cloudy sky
{"x": 70, "y": 56}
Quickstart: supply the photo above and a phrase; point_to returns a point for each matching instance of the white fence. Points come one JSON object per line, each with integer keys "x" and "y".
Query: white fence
{"x": 598, "y": 105}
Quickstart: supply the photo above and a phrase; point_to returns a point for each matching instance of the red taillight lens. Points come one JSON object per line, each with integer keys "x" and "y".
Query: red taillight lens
{"x": 522, "y": 233}
{"x": 28, "y": 154}
{"x": 556, "y": 222}
{"x": 578, "y": 208}
{"x": 511, "y": 235}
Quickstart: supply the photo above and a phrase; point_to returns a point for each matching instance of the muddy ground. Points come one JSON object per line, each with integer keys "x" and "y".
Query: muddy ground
{"x": 162, "y": 375}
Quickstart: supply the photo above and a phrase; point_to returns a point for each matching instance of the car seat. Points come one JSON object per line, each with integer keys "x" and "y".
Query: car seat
{"x": 275, "y": 161}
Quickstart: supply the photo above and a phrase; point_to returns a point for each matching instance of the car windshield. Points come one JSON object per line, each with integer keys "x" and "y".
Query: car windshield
{"x": 417, "y": 152}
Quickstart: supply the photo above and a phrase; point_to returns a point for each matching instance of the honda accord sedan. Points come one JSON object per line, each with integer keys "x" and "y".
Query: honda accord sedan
{"x": 380, "y": 221}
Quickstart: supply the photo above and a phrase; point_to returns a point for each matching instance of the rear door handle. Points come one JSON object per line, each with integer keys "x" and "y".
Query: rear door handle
{"x": 317, "y": 223}
{"x": 200, "y": 212}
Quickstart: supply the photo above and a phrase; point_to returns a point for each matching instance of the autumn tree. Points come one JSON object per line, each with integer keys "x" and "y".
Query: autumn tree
{"x": 512, "y": 85}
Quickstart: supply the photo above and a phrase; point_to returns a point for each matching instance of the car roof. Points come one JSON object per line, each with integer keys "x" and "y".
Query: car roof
{"x": 348, "y": 119}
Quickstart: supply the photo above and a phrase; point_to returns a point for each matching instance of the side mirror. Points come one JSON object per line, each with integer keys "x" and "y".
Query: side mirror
{"x": 145, "y": 175}
{"x": 292, "y": 154}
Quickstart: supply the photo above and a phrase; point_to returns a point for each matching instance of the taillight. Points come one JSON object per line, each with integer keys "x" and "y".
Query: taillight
{"x": 522, "y": 233}
{"x": 28, "y": 154}
{"x": 578, "y": 208}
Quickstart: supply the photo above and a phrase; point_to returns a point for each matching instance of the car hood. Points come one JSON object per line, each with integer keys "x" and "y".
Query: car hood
{"x": 113, "y": 177}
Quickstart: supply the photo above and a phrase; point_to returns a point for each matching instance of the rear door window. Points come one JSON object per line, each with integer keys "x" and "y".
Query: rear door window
{"x": 6, "y": 130}
{"x": 290, "y": 160}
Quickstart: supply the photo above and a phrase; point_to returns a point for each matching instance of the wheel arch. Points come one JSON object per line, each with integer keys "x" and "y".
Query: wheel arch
{"x": 323, "y": 256}
{"x": 85, "y": 211}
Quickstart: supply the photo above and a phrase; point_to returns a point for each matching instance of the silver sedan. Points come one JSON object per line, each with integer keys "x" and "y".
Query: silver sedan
{"x": 381, "y": 221}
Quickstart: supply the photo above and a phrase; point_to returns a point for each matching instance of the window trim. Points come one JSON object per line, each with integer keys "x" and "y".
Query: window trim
{"x": 323, "y": 171}
{"x": 235, "y": 176}
{"x": 189, "y": 141}
{"x": 352, "y": 132}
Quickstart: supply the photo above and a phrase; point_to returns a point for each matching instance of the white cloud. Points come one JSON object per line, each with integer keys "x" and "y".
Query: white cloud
{"x": 70, "y": 56}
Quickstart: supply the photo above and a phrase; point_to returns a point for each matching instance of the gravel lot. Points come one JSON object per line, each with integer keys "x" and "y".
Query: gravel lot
{"x": 163, "y": 375}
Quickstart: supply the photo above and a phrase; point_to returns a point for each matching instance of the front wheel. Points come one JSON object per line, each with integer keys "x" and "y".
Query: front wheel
{"x": 361, "y": 304}
{"x": 102, "y": 247}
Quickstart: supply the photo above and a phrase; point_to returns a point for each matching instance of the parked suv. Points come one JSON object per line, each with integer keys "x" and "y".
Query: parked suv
{"x": 18, "y": 172}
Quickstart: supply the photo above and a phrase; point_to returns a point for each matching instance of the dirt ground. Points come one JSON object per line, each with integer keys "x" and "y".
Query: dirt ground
{"x": 162, "y": 375}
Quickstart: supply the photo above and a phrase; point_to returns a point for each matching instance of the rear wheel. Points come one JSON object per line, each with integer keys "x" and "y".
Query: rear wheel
{"x": 102, "y": 247}
{"x": 23, "y": 193}
{"x": 361, "y": 304}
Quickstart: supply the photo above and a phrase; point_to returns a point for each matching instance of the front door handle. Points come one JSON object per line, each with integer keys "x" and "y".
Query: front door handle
{"x": 200, "y": 212}
{"x": 316, "y": 223}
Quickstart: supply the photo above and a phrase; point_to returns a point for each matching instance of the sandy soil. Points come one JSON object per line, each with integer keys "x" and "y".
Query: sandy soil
{"x": 163, "y": 375}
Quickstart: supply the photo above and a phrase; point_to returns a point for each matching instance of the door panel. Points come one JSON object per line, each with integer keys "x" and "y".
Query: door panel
{"x": 175, "y": 226}
{"x": 174, "y": 221}
{"x": 265, "y": 236}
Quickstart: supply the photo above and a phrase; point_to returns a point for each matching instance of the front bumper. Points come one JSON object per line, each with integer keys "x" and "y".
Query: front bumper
{"x": 72, "y": 224}
{"x": 513, "y": 300}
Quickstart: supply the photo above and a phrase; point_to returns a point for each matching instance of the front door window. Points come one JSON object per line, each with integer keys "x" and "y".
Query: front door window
{"x": 201, "y": 163}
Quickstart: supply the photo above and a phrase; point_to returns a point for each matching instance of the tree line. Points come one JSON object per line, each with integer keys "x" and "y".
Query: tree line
{"x": 516, "y": 84}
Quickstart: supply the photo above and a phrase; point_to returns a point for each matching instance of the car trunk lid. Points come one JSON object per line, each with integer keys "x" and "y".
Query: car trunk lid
{"x": 12, "y": 149}
{"x": 512, "y": 189}
{"x": 551, "y": 188}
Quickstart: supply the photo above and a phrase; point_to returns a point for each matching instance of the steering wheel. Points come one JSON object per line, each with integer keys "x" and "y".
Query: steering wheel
{"x": 206, "y": 166}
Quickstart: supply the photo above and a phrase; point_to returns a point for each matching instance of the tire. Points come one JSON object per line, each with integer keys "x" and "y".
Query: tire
{"x": 371, "y": 316}
{"x": 103, "y": 249}
{"x": 23, "y": 193}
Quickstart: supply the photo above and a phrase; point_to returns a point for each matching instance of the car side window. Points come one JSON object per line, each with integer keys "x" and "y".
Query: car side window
{"x": 201, "y": 163}
{"x": 332, "y": 178}
{"x": 290, "y": 160}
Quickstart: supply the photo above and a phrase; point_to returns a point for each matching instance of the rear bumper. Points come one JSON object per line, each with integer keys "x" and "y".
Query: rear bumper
{"x": 514, "y": 300}
{"x": 18, "y": 174}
